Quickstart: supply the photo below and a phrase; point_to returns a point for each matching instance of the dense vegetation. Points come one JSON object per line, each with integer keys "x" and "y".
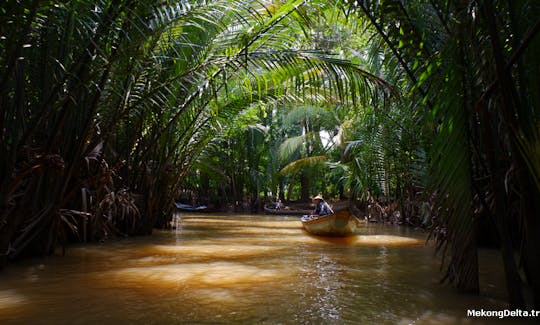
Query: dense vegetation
{"x": 112, "y": 110}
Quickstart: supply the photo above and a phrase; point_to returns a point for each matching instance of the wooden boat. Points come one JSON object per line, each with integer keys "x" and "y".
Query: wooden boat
{"x": 271, "y": 209}
{"x": 340, "y": 224}
{"x": 187, "y": 207}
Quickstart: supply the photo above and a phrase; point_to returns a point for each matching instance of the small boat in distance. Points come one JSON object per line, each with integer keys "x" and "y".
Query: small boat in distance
{"x": 272, "y": 209}
{"x": 339, "y": 224}
{"x": 187, "y": 207}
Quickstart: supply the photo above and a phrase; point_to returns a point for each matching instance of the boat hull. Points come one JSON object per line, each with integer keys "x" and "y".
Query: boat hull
{"x": 192, "y": 208}
{"x": 340, "y": 224}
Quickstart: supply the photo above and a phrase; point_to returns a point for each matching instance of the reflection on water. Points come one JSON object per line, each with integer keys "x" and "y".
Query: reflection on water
{"x": 244, "y": 270}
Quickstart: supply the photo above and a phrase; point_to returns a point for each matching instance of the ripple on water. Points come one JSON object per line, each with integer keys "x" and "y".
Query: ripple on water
{"x": 10, "y": 299}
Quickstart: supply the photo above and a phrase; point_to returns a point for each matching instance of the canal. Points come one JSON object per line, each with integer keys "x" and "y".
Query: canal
{"x": 246, "y": 269}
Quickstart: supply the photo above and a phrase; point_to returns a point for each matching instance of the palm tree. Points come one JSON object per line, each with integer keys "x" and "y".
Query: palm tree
{"x": 471, "y": 82}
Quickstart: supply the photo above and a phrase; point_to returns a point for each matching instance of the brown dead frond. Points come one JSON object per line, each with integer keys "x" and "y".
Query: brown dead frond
{"x": 119, "y": 210}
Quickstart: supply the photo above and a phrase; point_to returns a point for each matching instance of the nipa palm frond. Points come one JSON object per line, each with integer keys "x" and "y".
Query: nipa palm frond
{"x": 291, "y": 146}
{"x": 302, "y": 163}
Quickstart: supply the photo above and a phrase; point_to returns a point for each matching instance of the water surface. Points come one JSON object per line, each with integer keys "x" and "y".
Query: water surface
{"x": 236, "y": 269}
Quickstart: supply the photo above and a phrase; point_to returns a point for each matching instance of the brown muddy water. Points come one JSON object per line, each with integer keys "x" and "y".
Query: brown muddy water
{"x": 246, "y": 269}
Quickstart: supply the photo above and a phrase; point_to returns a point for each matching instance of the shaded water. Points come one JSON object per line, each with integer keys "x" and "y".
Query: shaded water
{"x": 248, "y": 270}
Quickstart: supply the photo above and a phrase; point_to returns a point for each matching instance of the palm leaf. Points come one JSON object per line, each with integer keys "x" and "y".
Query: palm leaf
{"x": 291, "y": 146}
{"x": 302, "y": 163}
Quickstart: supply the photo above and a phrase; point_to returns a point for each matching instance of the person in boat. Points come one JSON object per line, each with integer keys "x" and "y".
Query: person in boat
{"x": 321, "y": 207}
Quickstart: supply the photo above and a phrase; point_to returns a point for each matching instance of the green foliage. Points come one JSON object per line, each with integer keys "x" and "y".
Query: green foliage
{"x": 111, "y": 110}
{"x": 467, "y": 85}
{"x": 103, "y": 98}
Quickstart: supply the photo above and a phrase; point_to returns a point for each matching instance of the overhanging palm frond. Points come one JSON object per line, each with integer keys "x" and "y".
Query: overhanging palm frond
{"x": 451, "y": 178}
{"x": 291, "y": 146}
{"x": 302, "y": 163}
{"x": 292, "y": 71}
{"x": 316, "y": 116}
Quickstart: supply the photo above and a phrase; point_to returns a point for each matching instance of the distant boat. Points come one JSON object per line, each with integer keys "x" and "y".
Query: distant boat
{"x": 340, "y": 224}
{"x": 187, "y": 207}
{"x": 272, "y": 209}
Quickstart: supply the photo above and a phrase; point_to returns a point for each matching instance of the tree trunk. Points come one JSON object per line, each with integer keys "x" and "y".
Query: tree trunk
{"x": 304, "y": 186}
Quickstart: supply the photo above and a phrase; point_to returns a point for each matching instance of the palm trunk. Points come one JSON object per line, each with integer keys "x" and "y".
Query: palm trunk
{"x": 502, "y": 213}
